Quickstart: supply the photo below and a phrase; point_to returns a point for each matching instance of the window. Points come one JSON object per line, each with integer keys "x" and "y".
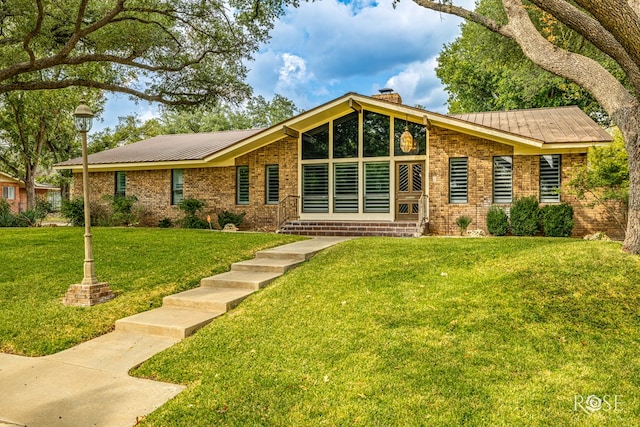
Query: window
{"x": 121, "y": 184}
{"x": 272, "y": 184}
{"x": 345, "y": 136}
{"x": 345, "y": 191}
{"x": 176, "y": 186}
{"x": 315, "y": 143}
{"x": 9, "y": 193}
{"x": 376, "y": 187}
{"x": 376, "y": 133}
{"x": 315, "y": 188}
{"x": 458, "y": 180}
{"x": 502, "y": 179}
{"x": 242, "y": 185}
{"x": 419, "y": 133}
{"x": 550, "y": 178}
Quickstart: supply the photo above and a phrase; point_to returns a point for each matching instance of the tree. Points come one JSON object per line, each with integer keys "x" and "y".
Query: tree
{"x": 605, "y": 179}
{"x": 503, "y": 78}
{"x": 613, "y": 27}
{"x": 129, "y": 129}
{"x": 177, "y": 52}
{"x": 36, "y": 130}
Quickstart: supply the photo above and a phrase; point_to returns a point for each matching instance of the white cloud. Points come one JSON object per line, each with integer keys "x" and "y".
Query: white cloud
{"x": 418, "y": 84}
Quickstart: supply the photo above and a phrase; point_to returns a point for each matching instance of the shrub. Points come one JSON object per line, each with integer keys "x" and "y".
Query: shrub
{"x": 7, "y": 219}
{"x": 73, "y": 211}
{"x": 42, "y": 209}
{"x": 122, "y": 212}
{"x": 165, "y": 223}
{"x": 525, "y": 216}
{"x": 463, "y": 222}
{"x": 28, "y": 218}
{"x": 557, "y": 220}
{"x": 191, "y": 207}
{"x": 226, "y": 217}
{"x": 497, "y": 221}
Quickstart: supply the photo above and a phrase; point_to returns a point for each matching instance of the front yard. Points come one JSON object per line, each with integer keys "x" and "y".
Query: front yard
{"x": 377, "y": 331}
{"x": 37, "y": 265}
{"x": 433, "y": 332}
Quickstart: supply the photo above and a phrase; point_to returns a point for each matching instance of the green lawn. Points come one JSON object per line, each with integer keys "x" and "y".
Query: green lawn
{"x": 37, "y": 265}
{"x": 433, "y": 332}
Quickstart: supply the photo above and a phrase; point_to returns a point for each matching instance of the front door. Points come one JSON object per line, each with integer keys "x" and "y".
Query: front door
{"x": 409, "y": 189}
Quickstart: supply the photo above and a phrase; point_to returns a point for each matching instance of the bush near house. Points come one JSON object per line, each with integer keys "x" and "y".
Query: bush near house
{"x": 557, "y": 220}
{"x": 191, "y": 209}
{"x": 525, "y": 216}
{"x": 226, "y": 217}
{"x": 497, "y": 221}
{"x": 463, "y": 223}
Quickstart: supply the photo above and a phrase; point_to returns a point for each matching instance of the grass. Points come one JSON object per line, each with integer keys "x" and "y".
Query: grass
{"x": 433, "y": 332}
{"x": 37, "y": 265}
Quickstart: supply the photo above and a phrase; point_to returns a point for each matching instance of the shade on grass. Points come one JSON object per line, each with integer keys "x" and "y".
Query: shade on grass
{"x": 37, "y": 265}
{"x": 434, "y": 332}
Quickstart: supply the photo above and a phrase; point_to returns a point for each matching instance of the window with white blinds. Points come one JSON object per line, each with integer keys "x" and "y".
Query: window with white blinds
{"x": 272, "y": 184}
{"x": 345, "y": 191}
{"x": 550, "y": 178}
{"x": 502, "y": 179}
{"x": 458, "y": 180}
{"x": 376, "y": 187}
{"x": 315, "y": 188}
{"x": 177, "y": 186}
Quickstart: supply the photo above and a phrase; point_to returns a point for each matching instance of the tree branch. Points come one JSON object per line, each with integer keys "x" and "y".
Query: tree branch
{"x": 34, "y": 32}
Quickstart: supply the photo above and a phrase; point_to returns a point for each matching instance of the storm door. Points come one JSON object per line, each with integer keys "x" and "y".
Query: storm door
{"x": 409, "y": 189}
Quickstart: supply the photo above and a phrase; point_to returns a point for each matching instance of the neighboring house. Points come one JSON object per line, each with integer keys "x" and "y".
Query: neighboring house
{"x": 14, "y": 191}
{"x": 340, "y": 168}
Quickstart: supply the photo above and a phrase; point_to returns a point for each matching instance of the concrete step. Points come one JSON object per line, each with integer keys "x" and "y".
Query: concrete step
{"x": 207, "y": 298}
{"x": 240, "y": 279}
{"x": 302, "y": 250}
{"x": 274, "y": 265}
{"x": 167, "y": 321}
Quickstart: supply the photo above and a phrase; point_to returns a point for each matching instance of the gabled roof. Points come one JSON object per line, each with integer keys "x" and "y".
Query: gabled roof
{"x": 550, "y": 125}
{"x": 4, "y": 177}
{"x": 565, "y": 129}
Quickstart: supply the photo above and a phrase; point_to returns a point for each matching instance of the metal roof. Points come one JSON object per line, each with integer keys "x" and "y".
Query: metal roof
{"x": 549, "y": 125}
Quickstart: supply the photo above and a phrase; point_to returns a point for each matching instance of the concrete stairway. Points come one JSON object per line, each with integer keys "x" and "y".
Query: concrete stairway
{"x": 350, "y": 228}
{"x": 183, "y": 313}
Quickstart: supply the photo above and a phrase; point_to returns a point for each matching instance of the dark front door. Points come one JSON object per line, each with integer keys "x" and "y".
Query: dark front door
{"x": 409, "y": 189}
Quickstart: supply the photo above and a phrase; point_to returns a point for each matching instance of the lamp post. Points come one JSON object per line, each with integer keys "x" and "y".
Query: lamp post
{"x": 90, "y": 291}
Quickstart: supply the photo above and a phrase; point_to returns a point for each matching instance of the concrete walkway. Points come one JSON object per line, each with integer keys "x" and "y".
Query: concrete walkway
{"x": 89, "y": 385}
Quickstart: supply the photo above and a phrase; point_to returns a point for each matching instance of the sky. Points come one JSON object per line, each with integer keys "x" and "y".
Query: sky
{"x": 325, "y": 49}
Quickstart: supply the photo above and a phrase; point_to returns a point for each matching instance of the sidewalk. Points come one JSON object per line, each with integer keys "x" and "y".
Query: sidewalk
{"x": 89, "y": 385}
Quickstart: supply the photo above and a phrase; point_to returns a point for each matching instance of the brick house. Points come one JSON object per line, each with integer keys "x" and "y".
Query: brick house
{"x": 14, "y": 192}
{"x": 342, "y": 167}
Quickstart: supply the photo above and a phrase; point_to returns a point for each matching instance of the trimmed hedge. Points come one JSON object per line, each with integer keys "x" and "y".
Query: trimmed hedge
{"x": 557, "y": 220}
{"x": 497, "y": 221}
{"x": 525, "y": 216}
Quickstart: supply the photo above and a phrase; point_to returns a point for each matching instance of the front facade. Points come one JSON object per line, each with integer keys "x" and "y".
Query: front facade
{"x": 345, "y": 162}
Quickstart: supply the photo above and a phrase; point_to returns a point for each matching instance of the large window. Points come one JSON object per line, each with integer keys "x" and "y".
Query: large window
{"x": 9, "y": 193}
{"x": 376, "y": 187}
{"x": 315, "y": 188}
{"x": 315, "y": 143}
{"x": 550, "y": 178}
{"x": 272, "y": 184}
{"x": 458, "y": 180}
{"x": 121, "y": 183}
{"x": 242, "y": 185}
{"x": 418, "y": 132}
{"x": 502, "y": 179}
{"x": 376, "y": 130}
{"x": 177, "y": 184}
{"x": 345, "y": 189}
{"x": 345, "y": 136}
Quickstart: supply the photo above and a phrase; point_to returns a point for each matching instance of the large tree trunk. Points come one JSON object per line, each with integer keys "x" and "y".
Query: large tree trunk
{"x": 30, "y": 184}
{"x": 629, "y": 123}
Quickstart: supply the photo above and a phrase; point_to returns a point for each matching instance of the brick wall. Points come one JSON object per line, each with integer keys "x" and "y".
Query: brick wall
{"x": 526, "y": 176}
{"x": 216, "y": 186}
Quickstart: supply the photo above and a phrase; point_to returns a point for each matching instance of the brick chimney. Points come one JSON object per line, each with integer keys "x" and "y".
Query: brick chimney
{"x": 389, "y": 95}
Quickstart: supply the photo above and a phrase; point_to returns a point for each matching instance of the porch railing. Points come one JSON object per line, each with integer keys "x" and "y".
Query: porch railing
{"x": 423, "y": 215}
{"x": 287, "y": 210}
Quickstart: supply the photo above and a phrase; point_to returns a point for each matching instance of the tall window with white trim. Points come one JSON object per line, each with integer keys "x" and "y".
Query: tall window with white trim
{"x": 502, "y": 179}
{"x": 550, "y": 178}
{"x": 458, "y": 179}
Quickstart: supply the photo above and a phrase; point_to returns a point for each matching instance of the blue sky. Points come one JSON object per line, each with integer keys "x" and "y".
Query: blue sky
{"x": 324, "y": 49}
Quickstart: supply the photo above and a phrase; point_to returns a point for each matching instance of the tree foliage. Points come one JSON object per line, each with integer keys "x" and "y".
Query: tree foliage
{"x": 178, "y": 52}
{"x": 503, "y": 77}
{"x": 611, "y": 27}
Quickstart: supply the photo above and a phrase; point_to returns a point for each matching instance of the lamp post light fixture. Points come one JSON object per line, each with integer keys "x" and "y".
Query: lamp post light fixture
{"x": 90, "y": 291}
